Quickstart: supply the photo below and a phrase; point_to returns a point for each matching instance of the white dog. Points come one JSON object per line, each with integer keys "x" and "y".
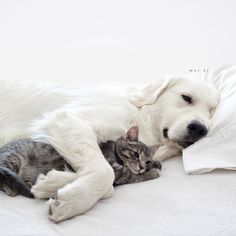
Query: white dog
{"x": 174, "y": 112}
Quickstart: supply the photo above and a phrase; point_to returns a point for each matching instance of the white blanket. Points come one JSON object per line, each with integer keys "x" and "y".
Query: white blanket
{"x": 218, "y": 149}
{"x": 174, "y": 204}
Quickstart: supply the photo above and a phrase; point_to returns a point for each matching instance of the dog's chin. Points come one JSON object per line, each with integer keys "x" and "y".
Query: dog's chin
{"x": 180, "y": 143}
{"x": 184, "y": 144}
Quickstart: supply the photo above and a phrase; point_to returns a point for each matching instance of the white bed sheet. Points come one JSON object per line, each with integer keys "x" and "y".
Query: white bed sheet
{"x": 174, "y": 204}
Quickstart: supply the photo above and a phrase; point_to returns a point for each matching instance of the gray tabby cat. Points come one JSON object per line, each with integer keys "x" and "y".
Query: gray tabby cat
{"x": 131, "y": 159}
{"x": 22, "y": 161}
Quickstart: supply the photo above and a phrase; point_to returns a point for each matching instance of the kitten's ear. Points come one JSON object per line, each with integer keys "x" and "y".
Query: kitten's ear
{"x": 132, "y": 134}
{"x": 153, "y": 149}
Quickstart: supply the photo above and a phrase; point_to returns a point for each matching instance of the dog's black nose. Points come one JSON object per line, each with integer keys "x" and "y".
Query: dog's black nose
{"x": 196, "y": 130}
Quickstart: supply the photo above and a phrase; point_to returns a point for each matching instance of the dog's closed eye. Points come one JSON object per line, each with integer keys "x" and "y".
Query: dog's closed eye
{"x": 187, "y": 98}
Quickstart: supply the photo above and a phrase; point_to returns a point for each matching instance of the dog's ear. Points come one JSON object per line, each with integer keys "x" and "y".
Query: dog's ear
{"x": 148, "y": 94}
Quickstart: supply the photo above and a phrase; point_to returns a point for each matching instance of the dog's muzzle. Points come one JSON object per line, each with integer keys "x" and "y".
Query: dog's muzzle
{"x": 195, "y": 131}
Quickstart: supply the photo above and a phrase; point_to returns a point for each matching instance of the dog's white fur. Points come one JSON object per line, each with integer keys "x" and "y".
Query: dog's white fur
{"x": 74, "y": 121}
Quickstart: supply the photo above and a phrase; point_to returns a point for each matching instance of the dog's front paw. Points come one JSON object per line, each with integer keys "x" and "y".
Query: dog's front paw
{"x": 41, "y": 189}
{"x": 161, "y": 154}
{"x": 40, "y": 193}
{"x": 59, "y": 209}
{"x": 109, "y": 193}
{"x": 53, "y": 214}
{"x": 40, "y": 178}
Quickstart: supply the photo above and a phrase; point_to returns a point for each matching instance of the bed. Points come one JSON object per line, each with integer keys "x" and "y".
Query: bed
{"x": 174, "y": 204}
{"x": 135, "y": 42}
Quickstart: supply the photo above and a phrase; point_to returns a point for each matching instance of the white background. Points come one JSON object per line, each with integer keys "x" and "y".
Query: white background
{"x": 91, "y": 42}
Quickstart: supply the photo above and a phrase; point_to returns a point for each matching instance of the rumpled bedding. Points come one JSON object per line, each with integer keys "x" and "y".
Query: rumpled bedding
{"x": 174, "y": 204}
{"x": 218, "y": 149}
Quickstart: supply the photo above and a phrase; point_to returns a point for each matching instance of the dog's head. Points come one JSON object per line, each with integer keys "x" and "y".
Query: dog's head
{"x": 182, "y": 108}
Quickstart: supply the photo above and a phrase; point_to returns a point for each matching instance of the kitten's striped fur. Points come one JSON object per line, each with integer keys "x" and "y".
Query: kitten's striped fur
{"x": 22, "y": 161}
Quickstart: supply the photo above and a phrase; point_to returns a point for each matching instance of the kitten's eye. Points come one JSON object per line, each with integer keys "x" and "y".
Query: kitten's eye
{"x": 187, "y": 99}
{"x": 148, "y": 162}
{"x": 136, "y": 155}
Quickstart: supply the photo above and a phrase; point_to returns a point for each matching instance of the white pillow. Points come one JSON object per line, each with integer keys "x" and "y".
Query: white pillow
{"x": 218, "y": 149}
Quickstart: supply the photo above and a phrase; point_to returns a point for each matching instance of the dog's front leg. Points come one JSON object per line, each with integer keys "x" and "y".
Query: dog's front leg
{"x": 76, "y": 140}
{"x": 79, "y": 196}
{"x": 166, "y": 151}
{"x": 47, "y": 185}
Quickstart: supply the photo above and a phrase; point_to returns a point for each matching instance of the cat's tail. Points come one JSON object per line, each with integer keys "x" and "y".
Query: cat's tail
{"x": 13, "y": 184}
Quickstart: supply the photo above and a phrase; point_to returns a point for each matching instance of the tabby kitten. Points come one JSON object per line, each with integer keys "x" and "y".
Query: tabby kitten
{"x": 131, "y": 159}
{"x": 22, "y": 161}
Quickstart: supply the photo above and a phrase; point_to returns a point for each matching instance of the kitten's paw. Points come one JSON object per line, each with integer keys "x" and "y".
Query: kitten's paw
{"x": 157, "y": 165}
{"x": 153, "y": 173}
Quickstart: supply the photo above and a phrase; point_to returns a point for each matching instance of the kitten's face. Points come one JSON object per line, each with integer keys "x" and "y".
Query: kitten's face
{"x": 135, "y": 155}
